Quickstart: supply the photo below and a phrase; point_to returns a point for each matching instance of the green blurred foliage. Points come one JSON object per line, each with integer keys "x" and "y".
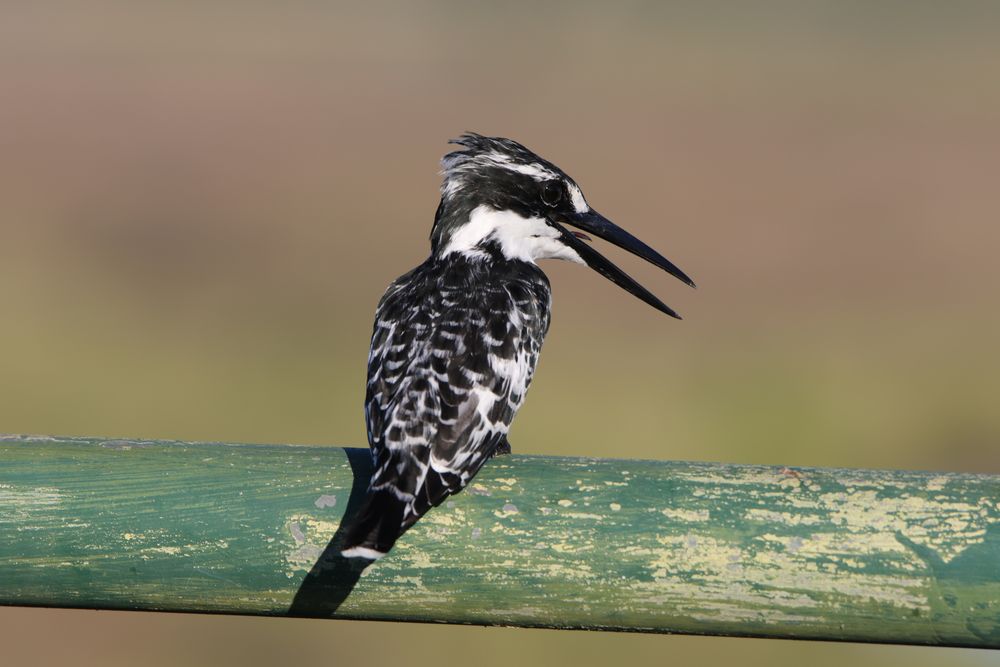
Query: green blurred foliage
{"x": 201, "y": 204}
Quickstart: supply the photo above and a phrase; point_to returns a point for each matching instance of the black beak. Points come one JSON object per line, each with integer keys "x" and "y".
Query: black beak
{"x": 598, "y": 225}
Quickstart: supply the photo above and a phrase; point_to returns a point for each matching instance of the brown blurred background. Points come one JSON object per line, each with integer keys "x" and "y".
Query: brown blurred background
{"x": 200, "y": 204}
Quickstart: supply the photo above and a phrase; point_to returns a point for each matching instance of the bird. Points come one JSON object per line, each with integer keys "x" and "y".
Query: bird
{"x": 456, "y": 340}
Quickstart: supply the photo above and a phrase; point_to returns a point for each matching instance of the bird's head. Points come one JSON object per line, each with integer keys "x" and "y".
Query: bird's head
{"x": 500, "y": 200}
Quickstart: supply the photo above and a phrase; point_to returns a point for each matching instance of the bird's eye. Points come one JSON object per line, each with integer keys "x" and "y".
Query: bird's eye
{"x": 552, "y": 193}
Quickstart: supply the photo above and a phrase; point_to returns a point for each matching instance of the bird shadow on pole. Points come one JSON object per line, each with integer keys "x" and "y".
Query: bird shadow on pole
{"x": 333, "y": 577}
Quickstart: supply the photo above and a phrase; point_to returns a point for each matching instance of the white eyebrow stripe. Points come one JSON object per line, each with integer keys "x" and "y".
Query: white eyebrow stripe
{"x": 532, "y": 170}
{"x": 536, "y": 171}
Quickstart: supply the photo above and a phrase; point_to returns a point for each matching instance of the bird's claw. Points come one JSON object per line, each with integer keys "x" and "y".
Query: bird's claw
{"x": 503, "y": 448}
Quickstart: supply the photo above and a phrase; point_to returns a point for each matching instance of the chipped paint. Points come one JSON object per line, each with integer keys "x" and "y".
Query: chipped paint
{"x": 507, "y": 510}
{"x": 20, "y": 504}
{"x": 677, "y": 514}
{"x": 325, "y": 500}
{"x": 421, "y": 560}
{"x": 302, "y": 558}
{"x": 582, "y": 543}
{"x": 296, "y": 530}
{"x": 786, "y": 518}
{"x": 915, "y": 517}
{"x": 170, "y": 551}
{"x": 320, "y": 528}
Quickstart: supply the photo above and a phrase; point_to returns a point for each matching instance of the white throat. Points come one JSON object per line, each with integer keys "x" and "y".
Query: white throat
{"x": 525, "y": 239}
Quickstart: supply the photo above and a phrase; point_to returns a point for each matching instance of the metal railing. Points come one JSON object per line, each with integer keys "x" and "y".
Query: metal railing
{"x": 535, "y": 541}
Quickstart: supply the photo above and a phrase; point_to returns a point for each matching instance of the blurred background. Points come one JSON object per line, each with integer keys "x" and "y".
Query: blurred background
{"x": 201, "y": 203}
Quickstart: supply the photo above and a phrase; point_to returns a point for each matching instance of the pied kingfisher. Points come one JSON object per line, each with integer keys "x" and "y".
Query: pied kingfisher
{"x": 457, "y": 338}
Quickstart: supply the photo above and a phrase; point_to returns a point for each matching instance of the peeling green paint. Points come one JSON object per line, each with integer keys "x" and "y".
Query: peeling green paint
{"x": 886, "y": 556}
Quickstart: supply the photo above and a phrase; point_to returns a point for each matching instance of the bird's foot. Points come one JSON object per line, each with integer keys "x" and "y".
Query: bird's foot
{"x": 503, "y": 448}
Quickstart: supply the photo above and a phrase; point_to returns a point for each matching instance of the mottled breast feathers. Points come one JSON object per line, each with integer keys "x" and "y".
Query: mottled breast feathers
{"x": 452, "y": 354}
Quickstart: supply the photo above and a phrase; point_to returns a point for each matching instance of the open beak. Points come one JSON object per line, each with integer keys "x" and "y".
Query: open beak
{"x": 599, "y": 226}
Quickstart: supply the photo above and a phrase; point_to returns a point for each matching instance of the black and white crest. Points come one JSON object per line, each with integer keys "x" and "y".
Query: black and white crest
{"x": 501, "y": 175}
{"x": 456, "y": 339}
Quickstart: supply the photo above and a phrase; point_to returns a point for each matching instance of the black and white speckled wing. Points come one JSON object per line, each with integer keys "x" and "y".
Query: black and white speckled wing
{"x": 453, "y": 351}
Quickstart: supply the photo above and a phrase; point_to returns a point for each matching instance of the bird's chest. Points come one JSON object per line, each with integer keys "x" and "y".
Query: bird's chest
{"x": 513, "y": 325}
{"x": 464, "y": 330}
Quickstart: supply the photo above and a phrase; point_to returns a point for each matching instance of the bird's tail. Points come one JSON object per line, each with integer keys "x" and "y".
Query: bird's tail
{"x": 376, "y": 527}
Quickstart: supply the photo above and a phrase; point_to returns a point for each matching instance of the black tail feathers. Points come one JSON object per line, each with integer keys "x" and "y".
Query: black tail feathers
{"x": 384, "y": 517}
{"x": 376, "y": 527}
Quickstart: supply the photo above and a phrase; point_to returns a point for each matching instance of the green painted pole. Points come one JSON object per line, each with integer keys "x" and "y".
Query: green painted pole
{"x": 536, "y": 541}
